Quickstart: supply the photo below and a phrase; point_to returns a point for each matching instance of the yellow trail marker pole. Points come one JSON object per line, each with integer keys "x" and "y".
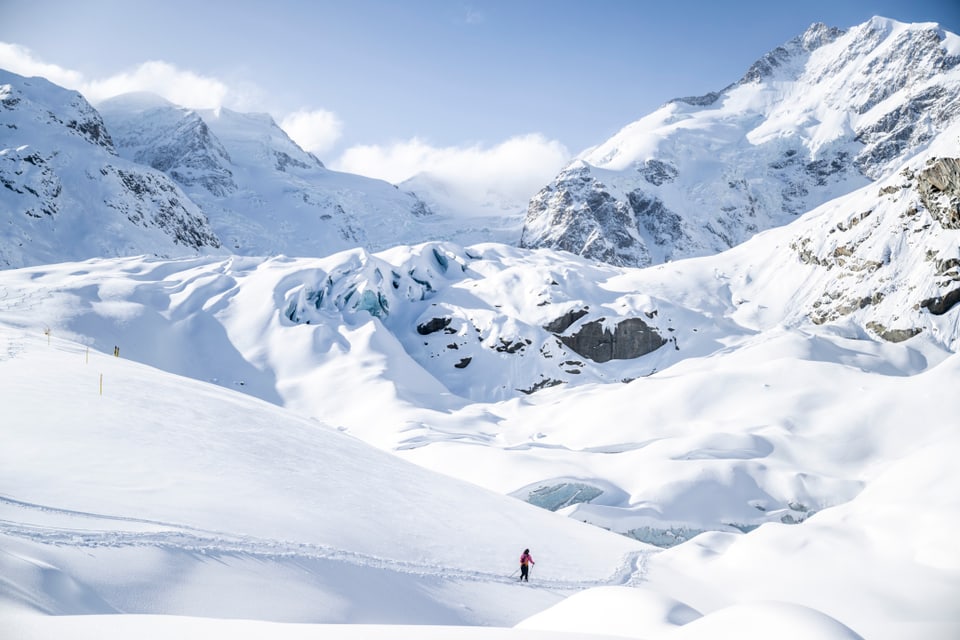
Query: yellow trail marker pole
{"x": 101, "y": 384}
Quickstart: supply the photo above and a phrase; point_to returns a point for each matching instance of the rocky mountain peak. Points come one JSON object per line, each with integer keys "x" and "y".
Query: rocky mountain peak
{"x": 40, "y": 101}
{"x": 261, "y": 191}
{"x": 823, "y": 114}
{"x": 68, "y": 195}
{"x": 153, "y": 131}
{"x": 819, "y": 34}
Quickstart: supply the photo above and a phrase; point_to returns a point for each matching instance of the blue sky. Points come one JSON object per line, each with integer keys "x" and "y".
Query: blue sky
{"x": 450, "y": 75}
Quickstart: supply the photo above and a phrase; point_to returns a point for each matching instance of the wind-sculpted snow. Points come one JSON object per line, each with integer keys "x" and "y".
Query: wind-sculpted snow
{"x": 816, "y": 118}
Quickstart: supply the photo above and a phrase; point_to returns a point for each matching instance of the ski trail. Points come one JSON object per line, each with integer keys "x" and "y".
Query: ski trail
{"x": 92, "y": 530}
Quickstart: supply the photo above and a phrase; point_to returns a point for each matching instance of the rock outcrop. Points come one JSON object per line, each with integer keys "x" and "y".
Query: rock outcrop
{"x": 939, "y": 188}
{"x": 629, "y": 338}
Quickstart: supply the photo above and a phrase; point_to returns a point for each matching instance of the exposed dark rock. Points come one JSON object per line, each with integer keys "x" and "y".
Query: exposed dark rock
{"x": 433, "y": 325}
{"x": 817, "y": 35}
{"x": 664, "y": 225}
{"x": 941, "y": 304}
{"x": 576, "y": 213}
{"x": 93, "y": 130}
{"x": 420, "y": 208}
{"x": 507, "y": 346}
{"x": 822, "y": 168}
{"x": 158, "y": 203}
{"x": 700, "y": 101}
{"x": 543, "y": 384}
{"x": 919, "y": 53}
{"x": 657, "y": 172}
{"x": 463, "y": 362}
{"x": 950, "y": 266}
{"x": 893, "y": 335}
{"x": 284, "y": 160}
{"x": 631, "y": 338}
{"x": 939, "y": 188}
{"x": 565, "y": 321}
{"x": 904, "y": 127}
{"x": 896, "y": 76}
{"x": 188, "y": 152}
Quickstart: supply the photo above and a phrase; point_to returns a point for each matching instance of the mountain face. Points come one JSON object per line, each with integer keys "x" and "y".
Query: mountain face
{"x": 816, "y": 118}
{"x": 68, "y": 195}
{"x": 263, "y": 194}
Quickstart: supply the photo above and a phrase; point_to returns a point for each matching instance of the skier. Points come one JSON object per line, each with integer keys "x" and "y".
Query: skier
{"x": 525, "y": 561}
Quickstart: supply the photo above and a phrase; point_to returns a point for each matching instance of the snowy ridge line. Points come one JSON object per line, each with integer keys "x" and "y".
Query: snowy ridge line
{"x": 207, "y": 542}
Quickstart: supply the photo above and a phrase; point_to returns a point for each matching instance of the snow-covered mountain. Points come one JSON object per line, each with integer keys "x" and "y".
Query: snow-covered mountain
{"x": 825, "y": 113}
{"x": 775, "y": 419}
{"x": 787, "y": 449}
{"x": 442, "y": 330}
{"x": 263, "y": 194}
{"x": 68, "y": 195}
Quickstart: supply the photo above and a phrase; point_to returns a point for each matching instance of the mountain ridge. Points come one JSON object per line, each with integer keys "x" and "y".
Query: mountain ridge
{"x": 263, "y": 193}
{"x": 69, "y": 195}
{"x": 827, "y": 112}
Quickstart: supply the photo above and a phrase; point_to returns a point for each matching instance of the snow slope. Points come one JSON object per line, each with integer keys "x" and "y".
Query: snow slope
{"x": 488, "y": 353}
{"x": 126, "y": 489}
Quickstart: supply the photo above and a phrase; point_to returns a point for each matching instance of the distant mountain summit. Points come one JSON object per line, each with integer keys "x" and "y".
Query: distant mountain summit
{"x": 174, "y": 140}
{"x": 825, "y": 113}
{"x": 66, "y": 193}
{"x": 264, "y": 195}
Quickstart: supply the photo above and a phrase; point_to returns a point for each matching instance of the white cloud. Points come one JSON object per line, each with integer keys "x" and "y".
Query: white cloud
{"x": 515, "y": 169}
{"x": 180, "y": 87}
{"x": 512, "y": 170}
{"x": 19, "y": 60}
{"x": 184, "y": 88}
{"x": 315, "y": 131}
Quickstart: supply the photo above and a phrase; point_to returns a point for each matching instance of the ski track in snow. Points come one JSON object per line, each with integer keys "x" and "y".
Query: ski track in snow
{"x": 178, "y": 537}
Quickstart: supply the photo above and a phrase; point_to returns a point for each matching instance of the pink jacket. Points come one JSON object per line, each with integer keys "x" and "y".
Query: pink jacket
{"x": 526, "y": 558}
